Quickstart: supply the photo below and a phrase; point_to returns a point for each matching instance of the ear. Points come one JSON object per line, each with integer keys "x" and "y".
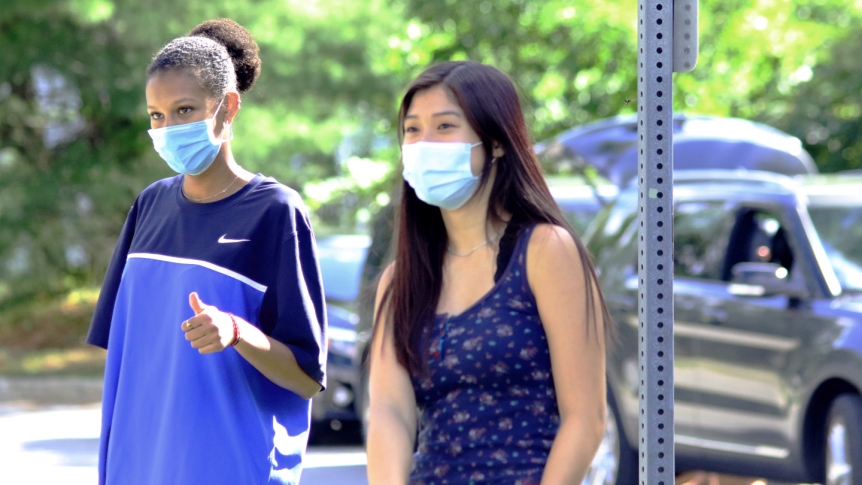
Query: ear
{"x": 497, "y": 151}
{"x": 232, "y": 105}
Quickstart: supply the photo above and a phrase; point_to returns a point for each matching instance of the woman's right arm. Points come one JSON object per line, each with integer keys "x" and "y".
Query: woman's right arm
{"x": 392, "y": 407}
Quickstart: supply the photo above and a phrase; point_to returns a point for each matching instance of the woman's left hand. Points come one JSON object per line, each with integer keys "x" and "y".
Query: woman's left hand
{"x": 210, "y": 330}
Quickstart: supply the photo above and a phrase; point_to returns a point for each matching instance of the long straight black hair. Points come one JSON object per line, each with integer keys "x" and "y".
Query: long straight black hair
{"x": 492, "y": 108}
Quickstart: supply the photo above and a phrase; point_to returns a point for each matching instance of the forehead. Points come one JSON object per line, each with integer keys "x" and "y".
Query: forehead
{"x": 174, "y": 84}
{"x": 433, "y": 100}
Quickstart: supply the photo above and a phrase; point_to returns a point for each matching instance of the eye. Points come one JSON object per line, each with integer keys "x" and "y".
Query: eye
{"x": 184, "y": 110}
{"x": 155, "y": 115}
{"x": 411, "y": 129}
{"x": 445, "y": 126}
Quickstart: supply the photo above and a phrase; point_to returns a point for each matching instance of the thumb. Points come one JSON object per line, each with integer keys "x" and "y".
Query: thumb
{"x": 196, "y": 303}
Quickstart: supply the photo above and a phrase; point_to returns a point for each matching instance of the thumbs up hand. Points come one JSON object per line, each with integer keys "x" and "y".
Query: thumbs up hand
{"x": 210, "y": 330}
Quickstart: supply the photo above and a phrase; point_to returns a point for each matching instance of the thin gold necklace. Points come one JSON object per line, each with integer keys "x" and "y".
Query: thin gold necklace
{"x": 453, "y": 253}
{"x": 210, "y": 197}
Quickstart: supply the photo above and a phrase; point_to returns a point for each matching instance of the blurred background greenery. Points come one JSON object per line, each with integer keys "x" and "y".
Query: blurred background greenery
{"x": 74, "y": 150}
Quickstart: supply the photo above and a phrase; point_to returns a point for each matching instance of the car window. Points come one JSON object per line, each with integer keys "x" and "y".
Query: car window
{"x": 840, "y": 229}
{"x": 758, "y": 237}
{"x": 701, "y": 234}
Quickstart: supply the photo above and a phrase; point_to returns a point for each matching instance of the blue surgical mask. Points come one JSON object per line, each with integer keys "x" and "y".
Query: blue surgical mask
{"x": 189, "y": 148}
{"x": 440, "y": 173}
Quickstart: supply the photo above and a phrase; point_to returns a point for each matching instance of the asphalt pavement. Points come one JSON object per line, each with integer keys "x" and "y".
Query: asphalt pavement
{"x": 41, "y": 445}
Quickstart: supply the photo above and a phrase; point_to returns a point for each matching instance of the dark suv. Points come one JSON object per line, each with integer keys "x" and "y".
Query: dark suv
{"x": 768, "y": 325}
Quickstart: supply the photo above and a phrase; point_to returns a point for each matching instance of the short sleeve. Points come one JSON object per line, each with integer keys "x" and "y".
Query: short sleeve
{"x": 100, "y": 326}
{"x": 301, "y": 314}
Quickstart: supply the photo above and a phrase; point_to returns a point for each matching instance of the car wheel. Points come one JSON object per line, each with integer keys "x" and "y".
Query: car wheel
{"x": 843, "y": 451}
{"x": 615, "y": 462}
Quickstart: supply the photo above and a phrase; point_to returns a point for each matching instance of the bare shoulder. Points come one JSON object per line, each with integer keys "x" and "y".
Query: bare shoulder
{"x": 383, "y": 285}
{"x": 551, "y": 240}
{"x": 552, "y": 255}
{"x": 386, "y": 277}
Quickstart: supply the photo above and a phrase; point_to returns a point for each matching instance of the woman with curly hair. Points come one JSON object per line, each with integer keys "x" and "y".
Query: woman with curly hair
{"x": 212, "y": 309}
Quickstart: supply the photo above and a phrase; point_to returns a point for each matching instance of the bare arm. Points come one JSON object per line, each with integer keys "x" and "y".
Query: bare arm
{"x": 211, "y": 330}
{"x": 556, "y": 277}
{"x": 392, "y": 411}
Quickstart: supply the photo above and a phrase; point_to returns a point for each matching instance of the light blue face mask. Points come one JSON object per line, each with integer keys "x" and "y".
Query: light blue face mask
{"x": 440, "y": 173}
{"x": 192, "y": 147}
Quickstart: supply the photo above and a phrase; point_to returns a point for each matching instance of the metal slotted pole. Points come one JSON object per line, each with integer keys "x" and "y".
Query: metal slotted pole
{"x": 667, "y": 42}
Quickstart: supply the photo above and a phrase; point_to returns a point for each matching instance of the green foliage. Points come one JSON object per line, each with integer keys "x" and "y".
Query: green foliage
{"x": 321, "y": 117}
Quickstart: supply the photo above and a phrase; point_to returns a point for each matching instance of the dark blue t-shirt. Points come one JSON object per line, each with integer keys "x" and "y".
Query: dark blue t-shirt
{"x": 170, "y": 414}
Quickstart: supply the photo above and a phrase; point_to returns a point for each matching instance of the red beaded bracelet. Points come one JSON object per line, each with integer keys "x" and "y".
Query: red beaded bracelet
{"x": 236, "y": 337}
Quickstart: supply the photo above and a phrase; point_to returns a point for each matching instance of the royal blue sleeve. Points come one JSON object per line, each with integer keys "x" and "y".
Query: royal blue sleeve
{"x": 301, "y": 315}
{"x": 100, "y": 326}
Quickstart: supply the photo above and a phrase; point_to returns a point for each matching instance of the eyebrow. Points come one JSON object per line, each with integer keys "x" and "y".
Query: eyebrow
{"x": 442, "y": 113}
{"x": 179, "y": 101}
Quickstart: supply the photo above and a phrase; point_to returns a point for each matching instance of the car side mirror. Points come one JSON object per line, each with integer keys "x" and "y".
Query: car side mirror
{"x": 763, "y": 279}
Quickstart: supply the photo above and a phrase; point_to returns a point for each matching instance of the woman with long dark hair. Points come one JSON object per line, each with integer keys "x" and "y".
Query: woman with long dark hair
{"x": 490, "y": 326}
{"x": 212, "y": 309}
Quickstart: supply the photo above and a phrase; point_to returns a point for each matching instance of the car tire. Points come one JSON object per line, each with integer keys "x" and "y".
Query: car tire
{"x": 615, "y": 462}
{"x": 843, "y": 441}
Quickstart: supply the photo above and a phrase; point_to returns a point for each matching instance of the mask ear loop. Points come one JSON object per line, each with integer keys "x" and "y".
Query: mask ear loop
{"x": 227, "y": 127}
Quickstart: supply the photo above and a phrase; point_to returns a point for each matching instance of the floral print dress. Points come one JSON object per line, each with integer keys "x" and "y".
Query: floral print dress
{"x": 488, "y": 410}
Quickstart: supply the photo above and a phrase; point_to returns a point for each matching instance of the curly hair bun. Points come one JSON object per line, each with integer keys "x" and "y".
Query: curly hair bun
{"x": 240, "y": 46}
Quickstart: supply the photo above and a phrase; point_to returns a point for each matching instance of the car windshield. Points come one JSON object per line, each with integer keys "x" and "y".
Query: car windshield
{"x": 840, "y": 230}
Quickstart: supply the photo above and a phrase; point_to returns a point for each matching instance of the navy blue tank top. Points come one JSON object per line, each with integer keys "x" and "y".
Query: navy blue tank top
{"x": 488, "y": 410}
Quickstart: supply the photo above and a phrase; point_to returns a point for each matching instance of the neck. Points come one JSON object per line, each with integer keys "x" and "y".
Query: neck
{"x": 223, "y": 171}
{"x": 469, "y": 226}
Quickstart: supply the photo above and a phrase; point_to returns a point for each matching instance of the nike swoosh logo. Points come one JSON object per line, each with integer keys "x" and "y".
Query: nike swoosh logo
{"x": 224, "y": 240}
